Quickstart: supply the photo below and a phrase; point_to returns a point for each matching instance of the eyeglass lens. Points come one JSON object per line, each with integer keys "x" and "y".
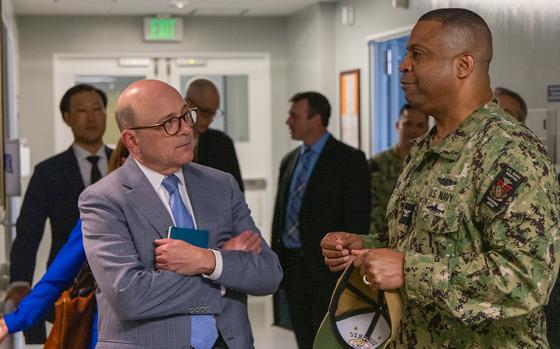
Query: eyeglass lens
{"x": 173, "y": 125}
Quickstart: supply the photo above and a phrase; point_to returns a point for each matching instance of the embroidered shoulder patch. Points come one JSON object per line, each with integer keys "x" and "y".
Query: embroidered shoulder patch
{"x": 502, "y": 188}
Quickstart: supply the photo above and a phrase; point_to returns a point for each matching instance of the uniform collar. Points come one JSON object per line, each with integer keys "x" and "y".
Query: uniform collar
{"x": 451, "y": 146}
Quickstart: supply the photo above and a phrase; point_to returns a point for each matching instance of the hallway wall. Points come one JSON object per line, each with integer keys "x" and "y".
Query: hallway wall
{"x": 311, "y": 63}
{"x": 308, "y": 50}
{"x": 43, "y": 36}
{"x": 525, "y": 38}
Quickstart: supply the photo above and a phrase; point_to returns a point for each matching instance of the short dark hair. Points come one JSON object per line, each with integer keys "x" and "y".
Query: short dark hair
{"x": 502, "y": 91}
{"x": 470, "y": 24}
{"x": 318, "y": 104}
{"x": 64, "y": 105}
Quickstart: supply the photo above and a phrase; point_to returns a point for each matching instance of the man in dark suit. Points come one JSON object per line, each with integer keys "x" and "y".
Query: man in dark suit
{"x": 55, "y": 186}
{"x": 213, "y": 148}
{"x": 323, "y": 187}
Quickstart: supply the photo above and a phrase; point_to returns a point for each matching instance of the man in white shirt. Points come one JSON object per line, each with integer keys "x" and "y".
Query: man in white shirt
{"x": 55, "y": 186}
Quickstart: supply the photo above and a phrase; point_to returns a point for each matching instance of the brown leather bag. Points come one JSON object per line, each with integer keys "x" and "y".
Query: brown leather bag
{"x": 74, "y": 312}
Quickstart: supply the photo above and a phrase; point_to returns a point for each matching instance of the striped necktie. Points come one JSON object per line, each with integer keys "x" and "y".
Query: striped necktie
{"x": 291, "y": 236}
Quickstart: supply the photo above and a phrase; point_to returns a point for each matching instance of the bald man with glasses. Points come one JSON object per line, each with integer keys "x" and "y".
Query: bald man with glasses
{"x": 157, "y": 292}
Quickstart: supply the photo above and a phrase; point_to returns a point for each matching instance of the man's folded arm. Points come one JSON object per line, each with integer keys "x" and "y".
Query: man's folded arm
{"x": 253, "y": 273}
{"x": 134, "y": 290}
{"x": 249, "y": 272}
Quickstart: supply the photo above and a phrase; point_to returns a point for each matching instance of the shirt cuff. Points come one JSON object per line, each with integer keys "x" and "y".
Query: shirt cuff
{"x": 19, "y": 283}
{"x": 371, "y": 241}
{"x": 219, "y": 266}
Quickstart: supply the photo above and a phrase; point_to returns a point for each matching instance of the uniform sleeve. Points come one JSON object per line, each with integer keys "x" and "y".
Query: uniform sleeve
{"x": 517, "y": 211}
{"x": 30, "y": 226}
{"x": 378, "y": 222}
{"x": 64, "y": 268}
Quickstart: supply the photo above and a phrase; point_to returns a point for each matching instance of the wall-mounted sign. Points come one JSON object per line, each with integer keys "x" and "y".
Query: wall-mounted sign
{"x": 163, "y": 29}
{"x": 553, "y": 93}
{"x": 12, "y": 172}
{"x": 350, "y": 107}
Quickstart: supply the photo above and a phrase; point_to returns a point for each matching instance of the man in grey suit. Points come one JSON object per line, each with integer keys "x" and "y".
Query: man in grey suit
{"x": 164, "y": 293}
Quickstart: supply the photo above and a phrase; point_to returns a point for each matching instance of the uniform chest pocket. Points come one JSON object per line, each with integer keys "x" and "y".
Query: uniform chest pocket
{"x": 438, "y": 219}
{"x": 437, "y": 227}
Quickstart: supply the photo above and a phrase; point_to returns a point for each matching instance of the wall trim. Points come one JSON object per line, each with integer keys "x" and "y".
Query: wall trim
{"x": 390, "y": 34}
{"x": 265, "y": 55}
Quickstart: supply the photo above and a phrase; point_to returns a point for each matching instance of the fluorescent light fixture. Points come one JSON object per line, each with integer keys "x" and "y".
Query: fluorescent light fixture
{"x": 191, "y": 62}
{"x": 134, "y": 62}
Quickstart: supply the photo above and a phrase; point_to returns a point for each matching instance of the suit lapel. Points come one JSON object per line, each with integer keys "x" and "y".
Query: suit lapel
{"x": 290, "y": 168}
{"x": 108, "y": 152}
{"x": 202, "y": 197}
{"x": 323, "y": 163}
{"x": 143, "y": 198}
{"x": 71, "y": 172}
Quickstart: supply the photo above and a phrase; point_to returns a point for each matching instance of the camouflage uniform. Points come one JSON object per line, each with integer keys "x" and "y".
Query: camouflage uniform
{"x": 385, "y": 168}
{"x": 476, "y": 216}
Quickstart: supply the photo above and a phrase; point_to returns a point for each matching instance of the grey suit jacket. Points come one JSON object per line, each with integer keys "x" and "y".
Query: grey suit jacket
{"x": 140, "y": 307}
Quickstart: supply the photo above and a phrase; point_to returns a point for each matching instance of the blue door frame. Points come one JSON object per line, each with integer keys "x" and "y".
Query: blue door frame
{"x": 387, "y": 97}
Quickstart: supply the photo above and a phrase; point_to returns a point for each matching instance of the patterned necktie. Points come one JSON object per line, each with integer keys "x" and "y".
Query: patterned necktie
{"x": 291, "y": 233}
{"x": 203, "y": 327}
{"x": 95, "y": 174}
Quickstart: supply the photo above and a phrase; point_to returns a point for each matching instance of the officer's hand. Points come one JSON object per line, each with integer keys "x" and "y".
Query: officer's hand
{"x": 183, "y": 258}
{"x": 247, "y": 241}
{"x": 382, "y": 267}
{"x": 336, "y": 248}
{"x": 17, "y": 293}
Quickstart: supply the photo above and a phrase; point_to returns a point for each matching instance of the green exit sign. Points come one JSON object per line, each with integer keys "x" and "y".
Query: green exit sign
{"x": 163, "y": 29}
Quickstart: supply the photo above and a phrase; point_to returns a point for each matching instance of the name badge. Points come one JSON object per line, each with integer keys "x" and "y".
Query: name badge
{"x": 408, "y": 211}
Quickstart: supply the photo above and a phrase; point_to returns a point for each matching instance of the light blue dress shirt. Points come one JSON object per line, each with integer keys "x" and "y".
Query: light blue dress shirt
{"x": 316, "y": 150}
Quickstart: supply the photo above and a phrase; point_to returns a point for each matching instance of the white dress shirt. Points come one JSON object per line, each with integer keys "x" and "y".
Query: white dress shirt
{"x": 156, "y": 179}
{"x": 85, "y": 165}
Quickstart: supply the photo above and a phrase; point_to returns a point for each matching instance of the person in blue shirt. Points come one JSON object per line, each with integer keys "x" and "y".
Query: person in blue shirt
{"x": 34, "y": 307}
{"x": 59, "y": 276}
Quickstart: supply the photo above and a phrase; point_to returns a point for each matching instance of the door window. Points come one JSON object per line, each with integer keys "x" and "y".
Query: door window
{"x": 388, "y": 97}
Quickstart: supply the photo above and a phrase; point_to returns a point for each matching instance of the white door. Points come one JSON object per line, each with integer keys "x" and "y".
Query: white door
{"x": 244, "y": 83}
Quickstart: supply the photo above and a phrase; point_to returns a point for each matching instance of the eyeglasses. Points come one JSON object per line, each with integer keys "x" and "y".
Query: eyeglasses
{"x": 173, "y": 124}
{"x": 207, "y": 112}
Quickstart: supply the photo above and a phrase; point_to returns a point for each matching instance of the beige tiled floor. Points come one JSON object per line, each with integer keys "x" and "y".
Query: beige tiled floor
{"x": 266, "y": 335}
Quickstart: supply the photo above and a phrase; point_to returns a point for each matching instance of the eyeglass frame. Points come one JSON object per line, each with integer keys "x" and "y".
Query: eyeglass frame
{"x": 180, "y": 120}
{"x": 218, "y": 113}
